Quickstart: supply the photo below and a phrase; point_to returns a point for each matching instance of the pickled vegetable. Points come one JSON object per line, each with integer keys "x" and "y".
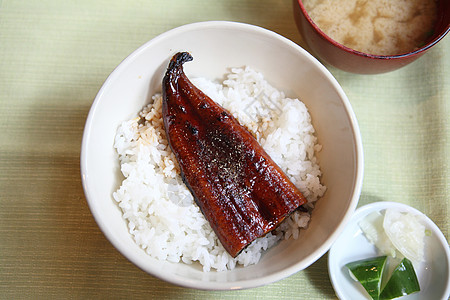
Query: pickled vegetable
{"x": 406, "y": 233}
{"x": 369, "y": 273}
{"x": 400, "y": 236}
{"x": 372, "y": 227}
{"x": 403, "y": 281}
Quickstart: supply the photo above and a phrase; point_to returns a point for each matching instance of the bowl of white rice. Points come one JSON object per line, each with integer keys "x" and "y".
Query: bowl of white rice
{"x": 289, "y": 102}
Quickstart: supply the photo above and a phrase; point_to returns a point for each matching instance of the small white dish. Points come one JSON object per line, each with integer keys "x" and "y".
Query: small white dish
{"x": 433, "y": 274}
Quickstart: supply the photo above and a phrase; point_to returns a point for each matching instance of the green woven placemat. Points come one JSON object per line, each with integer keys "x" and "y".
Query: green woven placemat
{"x": 54, "y": 57}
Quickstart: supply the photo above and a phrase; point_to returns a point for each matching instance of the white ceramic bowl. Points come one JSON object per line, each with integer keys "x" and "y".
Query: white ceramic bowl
{"x": 217, "y": 46}
{"x": 433, "y": 274}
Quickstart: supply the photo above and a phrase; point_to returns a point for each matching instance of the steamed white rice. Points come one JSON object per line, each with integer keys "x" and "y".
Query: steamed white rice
{"x": 161, "y": 213}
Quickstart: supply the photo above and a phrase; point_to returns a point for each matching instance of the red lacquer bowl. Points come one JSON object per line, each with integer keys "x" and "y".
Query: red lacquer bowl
{"x": 347, "y": 59}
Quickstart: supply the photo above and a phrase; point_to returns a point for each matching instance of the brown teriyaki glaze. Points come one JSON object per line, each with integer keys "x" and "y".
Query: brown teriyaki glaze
{"x": 240, "y": 190}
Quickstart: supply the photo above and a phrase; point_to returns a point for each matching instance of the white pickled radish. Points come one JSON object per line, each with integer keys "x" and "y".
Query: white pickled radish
{"x": 406, "y": 233}
{"x": 372, "y": 227}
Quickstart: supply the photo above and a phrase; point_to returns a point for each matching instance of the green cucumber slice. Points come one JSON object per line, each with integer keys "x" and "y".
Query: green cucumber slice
{"x": 403, "y": 281}
{"x": 369, "y": 273}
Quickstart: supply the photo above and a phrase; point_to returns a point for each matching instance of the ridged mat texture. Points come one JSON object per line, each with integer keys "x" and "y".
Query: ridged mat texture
{"x": 54, "y": 57}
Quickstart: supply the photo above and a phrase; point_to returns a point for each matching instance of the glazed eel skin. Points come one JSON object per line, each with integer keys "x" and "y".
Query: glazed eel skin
{"x": 240, "y": 190}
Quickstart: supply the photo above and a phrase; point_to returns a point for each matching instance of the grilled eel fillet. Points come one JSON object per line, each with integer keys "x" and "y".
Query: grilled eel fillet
{"x": 240, "y": 190}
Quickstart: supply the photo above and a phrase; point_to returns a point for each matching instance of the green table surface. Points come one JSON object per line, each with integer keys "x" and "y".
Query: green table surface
{"x": 54, "y": 57}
